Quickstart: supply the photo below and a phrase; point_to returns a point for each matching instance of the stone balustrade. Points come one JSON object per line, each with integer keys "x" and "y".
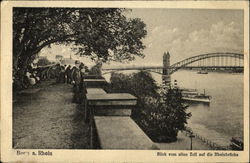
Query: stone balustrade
{"x": 96, "y": 91}
{"x": 95, "y": 83}
{"x": 109, "y": 116}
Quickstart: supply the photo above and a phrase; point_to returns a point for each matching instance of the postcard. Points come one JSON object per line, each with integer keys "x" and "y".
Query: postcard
{"x": 125, "y": 81}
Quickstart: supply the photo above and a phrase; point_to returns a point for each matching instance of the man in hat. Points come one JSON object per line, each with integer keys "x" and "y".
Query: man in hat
{"x": 57, "y": 72}
{"x": 62, "y": 74}
{"x": 68, "y": 74}
{"x": 82, "y": 84}
{"x": 77, "y": 78}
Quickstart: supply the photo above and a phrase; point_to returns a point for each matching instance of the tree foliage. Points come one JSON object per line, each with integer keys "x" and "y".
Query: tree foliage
{"x": 160, "y": 115}
{"x": 101, "y": 33}
{"x": 164, "y": 118}
{"x": 139, "y": 84}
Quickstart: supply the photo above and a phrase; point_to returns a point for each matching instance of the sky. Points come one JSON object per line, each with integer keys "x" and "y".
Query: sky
{"x": 181, "y": 32}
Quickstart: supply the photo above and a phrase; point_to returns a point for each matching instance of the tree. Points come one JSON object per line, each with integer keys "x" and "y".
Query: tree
{"x": 164, "y": 118}
{"x": 145, "y": 85}
{"x": 101, "y": 33}
{"x": 120, "y": 83}
{"x": 139, "y": 84}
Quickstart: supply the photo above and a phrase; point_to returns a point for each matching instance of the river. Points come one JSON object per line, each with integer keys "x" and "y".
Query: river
{"x": 223, "y": 118}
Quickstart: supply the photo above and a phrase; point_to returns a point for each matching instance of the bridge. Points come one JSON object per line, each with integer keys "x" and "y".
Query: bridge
{"x": 210, "y": 61}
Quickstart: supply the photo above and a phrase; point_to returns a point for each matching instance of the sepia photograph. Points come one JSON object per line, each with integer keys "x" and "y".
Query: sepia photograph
{"x": 100, "y": 78}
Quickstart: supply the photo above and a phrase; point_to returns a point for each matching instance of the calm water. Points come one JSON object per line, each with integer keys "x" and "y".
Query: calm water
{"x": 223, "y": 118}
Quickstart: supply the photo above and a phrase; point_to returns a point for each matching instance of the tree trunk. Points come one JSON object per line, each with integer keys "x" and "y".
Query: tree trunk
{"x": 22, "y": 67}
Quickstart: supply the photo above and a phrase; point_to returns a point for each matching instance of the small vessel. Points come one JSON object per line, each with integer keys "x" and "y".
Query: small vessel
{"x": 237, "y": 143}
{"x": 202, "y": 72}
{"x": 194, "y": 96}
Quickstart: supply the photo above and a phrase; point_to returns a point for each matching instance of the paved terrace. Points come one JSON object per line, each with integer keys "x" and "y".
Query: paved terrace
{"x": 44, "y": 117}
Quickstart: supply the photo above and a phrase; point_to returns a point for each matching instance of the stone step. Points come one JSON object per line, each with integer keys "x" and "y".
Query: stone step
{"x": 114, "y": 132}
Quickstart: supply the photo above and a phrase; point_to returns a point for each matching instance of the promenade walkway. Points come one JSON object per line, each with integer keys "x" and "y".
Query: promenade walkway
{"x": 183, "y": 143}
{"x": 44, "y": 117}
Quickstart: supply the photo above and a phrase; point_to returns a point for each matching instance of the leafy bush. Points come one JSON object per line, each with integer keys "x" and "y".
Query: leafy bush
{"x": 160, "y": 119}
{"x": 139, "y": 84}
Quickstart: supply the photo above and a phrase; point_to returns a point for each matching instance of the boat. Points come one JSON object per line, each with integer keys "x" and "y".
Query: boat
{"x": 202, "y": 72}
{"x": 237, "y": 143}
{"x": 198, "y": 98}
{"x": 193, "y": 95}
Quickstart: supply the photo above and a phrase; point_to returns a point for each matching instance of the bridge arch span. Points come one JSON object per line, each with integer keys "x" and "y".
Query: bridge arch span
{"x": 181, "y": 64}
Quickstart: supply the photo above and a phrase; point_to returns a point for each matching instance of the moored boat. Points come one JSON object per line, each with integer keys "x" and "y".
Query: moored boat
{"x": 237, "y": 143}
{"x": 194, "y": 96}
{"x": 202, "y": 72}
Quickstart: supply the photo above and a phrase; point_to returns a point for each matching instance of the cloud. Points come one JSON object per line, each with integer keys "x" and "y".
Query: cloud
{"x": 181, "y": 43}
{"x": 219, "y": 37}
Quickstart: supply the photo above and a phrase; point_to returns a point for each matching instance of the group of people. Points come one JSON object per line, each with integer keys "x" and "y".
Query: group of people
{"x": 23, "y": 80}
{"x": 73, "y": 75}
{"x": 61, "y": 73}
{"x": 31, "y": 76}
{"x": 67, "y": 74}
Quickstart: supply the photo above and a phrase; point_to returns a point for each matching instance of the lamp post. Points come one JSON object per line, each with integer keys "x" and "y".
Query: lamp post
{"x": 191, "y": 137}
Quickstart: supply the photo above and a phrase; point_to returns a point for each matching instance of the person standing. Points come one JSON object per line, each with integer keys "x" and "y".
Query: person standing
{"x": 62, "y": 74}
{"x": 77, "y": 83}
{"x": 72, "y": 71}
{"x": 57, "y": 72}
{"x": 68, "y": 74}
{"x": 86, "y": 69}
{"x": 82, "y": 84}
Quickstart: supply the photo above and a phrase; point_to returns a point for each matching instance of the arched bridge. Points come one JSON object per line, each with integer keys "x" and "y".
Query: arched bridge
{"x": 220, "y": 60}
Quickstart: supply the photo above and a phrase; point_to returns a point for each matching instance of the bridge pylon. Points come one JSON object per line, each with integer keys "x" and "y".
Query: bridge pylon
{"x": 166, "y": 77}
